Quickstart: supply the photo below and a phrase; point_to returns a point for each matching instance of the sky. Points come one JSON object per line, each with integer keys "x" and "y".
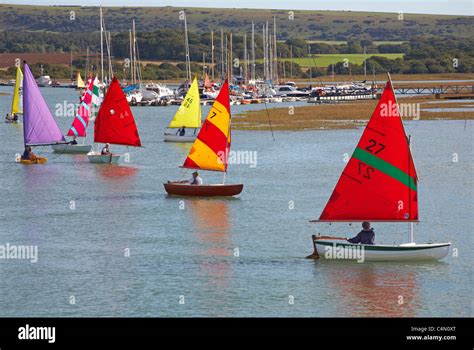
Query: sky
{"x": 448, "y": 7}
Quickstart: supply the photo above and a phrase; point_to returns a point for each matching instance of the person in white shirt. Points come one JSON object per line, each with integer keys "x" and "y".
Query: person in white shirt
{"x": 196, "y": 179}
{"x": 106, "y": 150}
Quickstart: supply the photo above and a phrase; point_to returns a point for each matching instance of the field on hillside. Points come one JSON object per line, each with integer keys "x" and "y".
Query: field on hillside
{"x": 324, "y": 60}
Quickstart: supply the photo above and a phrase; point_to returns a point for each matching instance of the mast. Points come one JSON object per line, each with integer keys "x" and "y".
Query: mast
{"x": 275, "y": 53}
{"x": 267, "y": 44}
{"x": 270, "y": 57}
{"x": 135, "y": 77}
{"x": 231, "y": 62}
{"x": 291, "y": 61}
{"x": 203, "y": 65}
{"x": 365, "y": 64}
{"x": 222, "y": 54}
{"x": 131, "y": 57}
{"x": 188, "y": 59}
{"x": 86, "y": 70}
{"x": 212, "y": 54}
{"x": 264, "y": 53}
{"x": 226, "y": 72}
{"x": 109, "y": 52}
{"x": 72, "y": 76}
{"x": 101, "y": 46}
{"x": 245, "y": 58}
{"x": 253, "y": 51}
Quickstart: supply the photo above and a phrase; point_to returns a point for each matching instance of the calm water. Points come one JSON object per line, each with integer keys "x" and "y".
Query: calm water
{"x": 189, "y": 251}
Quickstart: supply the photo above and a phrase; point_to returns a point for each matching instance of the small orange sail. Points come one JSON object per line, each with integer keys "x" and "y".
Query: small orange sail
{"x": 211, "y": 149}
{"x": 207, "y": 82}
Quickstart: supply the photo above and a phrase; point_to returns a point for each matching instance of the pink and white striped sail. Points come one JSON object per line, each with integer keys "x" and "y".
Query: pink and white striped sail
{"x": 81, "y": 121}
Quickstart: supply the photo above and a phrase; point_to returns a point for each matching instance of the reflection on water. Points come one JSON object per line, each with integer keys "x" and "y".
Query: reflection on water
{"x": 181, "y": 148}
{"x": 212, "y": 227}
{"x": 115, "y": 172}
{"x": 190, "y": 251}
{"x": 373, "y": 289}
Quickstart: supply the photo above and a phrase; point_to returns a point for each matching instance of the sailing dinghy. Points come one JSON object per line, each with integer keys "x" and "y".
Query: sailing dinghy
{"x": 16, "y": 110}
{"x": 114, "y": 124}
{"x": 210, "y": 152}
{"x": 187, "y": 116}
{"x": 79, "y": 125}
{"x": 39, "y": 126}
{"x": 79, "y": 82}
{"x": 379, "y": 183}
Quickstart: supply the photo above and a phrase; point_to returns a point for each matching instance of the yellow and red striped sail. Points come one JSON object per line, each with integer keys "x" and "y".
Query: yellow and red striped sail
{"x": 211, "y": 149}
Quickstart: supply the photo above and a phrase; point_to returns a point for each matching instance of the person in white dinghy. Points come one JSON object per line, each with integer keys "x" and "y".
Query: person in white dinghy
{"x": 106, "y": 150}
{"x": 366, "y": 236}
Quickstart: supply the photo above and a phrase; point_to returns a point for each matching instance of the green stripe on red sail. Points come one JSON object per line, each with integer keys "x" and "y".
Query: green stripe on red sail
{"x": 379, "y": 181}
{"x": 385, "y": 167}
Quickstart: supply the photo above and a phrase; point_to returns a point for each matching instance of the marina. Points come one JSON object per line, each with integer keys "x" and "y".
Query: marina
{"x": 189, "y": 170}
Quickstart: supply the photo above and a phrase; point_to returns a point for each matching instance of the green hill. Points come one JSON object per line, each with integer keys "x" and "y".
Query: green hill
{"x": 309, "y": 25}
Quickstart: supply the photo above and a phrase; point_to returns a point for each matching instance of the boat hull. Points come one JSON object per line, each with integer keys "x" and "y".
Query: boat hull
{"x": 337, "y": 249}
{"x": 71, "y": 149}
{"x": 98, "y": 158}
{"x": 176, "y": 138}
{"x": 38, "y": 160}
{"x": 218, "y": 190}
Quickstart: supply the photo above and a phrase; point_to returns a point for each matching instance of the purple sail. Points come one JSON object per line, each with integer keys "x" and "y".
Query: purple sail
{"x": 39, "y": 126}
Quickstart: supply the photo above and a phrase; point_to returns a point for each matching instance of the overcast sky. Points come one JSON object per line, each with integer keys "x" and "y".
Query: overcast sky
{"x": 451, "y": 7}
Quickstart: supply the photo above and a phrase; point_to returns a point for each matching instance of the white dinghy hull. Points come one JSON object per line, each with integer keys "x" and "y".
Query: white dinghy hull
{"x": 337, "y": 249}
{"x": 71, "y": 149}
{"x": 97, "y": 158}
{"x": 176, "y": 138}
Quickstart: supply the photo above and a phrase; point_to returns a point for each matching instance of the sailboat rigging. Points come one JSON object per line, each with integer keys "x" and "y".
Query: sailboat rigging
{"x": 210, "y": 151}
{"x": 188, "y": 115}
{"x": 39, "y": 126}
{"x": 114, "y": 124}
{"x": 379, "y": 183}
{"x": 80, "y": 123}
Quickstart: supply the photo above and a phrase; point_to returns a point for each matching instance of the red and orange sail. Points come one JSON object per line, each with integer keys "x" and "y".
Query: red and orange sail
{"x": 115, "y": 123}
{"x": 379, "y": 181}
{"x": 210, "y": 151}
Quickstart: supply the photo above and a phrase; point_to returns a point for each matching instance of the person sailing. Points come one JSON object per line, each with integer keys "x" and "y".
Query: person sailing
{"x": 106, "y": 150}
{"x": 28, "y": 154}
{"x": 366, "y": 236}
{"x": 195, "y": 180}
{"x": 181, "y": 131}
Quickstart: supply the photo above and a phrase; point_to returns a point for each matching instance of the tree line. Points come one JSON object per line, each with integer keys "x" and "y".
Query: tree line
{"x": 421, "y": 54}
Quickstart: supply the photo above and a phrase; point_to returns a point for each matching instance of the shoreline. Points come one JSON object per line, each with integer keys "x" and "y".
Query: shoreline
{"x": 345, "y": 115}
